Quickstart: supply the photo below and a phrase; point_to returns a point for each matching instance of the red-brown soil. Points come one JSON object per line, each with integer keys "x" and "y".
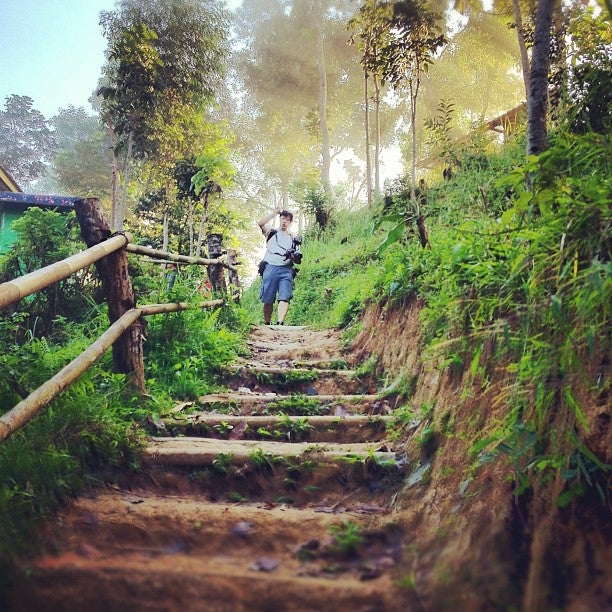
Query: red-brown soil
{"x": 206, "y": 526}
{"x": 219, "y": 529}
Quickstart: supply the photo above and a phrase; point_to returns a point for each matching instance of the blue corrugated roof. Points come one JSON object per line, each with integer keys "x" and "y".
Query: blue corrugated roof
{"x": 52, "y": 201}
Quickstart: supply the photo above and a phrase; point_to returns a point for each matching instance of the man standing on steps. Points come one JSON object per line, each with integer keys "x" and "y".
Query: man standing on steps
{"x": 282, "y": 249}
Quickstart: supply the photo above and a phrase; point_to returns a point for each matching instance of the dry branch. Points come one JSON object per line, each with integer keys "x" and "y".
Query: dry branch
{"x": 142, "y": 250}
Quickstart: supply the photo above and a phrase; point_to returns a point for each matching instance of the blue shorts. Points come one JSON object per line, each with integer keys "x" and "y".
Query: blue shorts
{"x": 276, "y": 279}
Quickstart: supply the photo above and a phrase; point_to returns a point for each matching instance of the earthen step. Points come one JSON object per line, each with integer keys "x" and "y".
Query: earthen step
{"x": 288, "y": 379}
{"x": 249, "y": 403}
{"x": 287, "y": 370}
{"x": 143, "y": 522}
{"x": 139, "y": 582}
{"x": 192, "y": 451}
{"x": 349, "y": 428}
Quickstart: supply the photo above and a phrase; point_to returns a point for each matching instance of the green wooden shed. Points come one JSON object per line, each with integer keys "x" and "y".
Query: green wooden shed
{"x": 14, "y": 204}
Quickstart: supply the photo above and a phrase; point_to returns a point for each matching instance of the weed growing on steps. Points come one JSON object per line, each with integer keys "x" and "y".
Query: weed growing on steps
{"x": 285, "y": 380}
{"x": 262, "y": 461}
{"x": 294, "y": 429}
{"x": 224, "y": 429}
{"x": 296, "y": 405}
{"x": 224, "y": 463}
{"x": 347, "y": 538}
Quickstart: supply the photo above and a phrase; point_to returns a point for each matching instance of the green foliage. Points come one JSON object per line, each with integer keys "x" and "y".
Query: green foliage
{"x": 26, "y": 142}
{"x": 294, "y": 429}
{"x": 200, "y": 347}
{"x": 75, "y": 440}
{"x": 297, "y": 404}
{"x": 518, "y": 274}
{"x": 44, "y": 237}
{"x": 538, "y": 278}
{"x": 262, "y": 461}
{"x": 347, "y": 537}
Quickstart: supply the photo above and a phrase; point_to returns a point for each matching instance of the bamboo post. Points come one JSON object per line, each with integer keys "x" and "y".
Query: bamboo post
{"x": 215, "y": 271}
{"x": 113, "y": 271}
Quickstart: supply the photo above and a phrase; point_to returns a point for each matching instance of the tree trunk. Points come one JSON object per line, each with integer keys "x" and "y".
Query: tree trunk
{"x": 165, "y": 232}
{"x": 376, "y": 136}
{"x": 537, "y": 101}
{"x": 325, "y": 142}
{"x": 115, "y": 174}
{"x": 120, "y": 217}
{"x": 190, "y": 226}
{"x": 520, "y": 34}
{"x": 413, "y": 99}
{"x": 423, "y": 234}
{"x": 215, "y": 271}
{"x": 202, "y": 227}
{"x": 113, "y": 271}
{"x": 367, "y": 142}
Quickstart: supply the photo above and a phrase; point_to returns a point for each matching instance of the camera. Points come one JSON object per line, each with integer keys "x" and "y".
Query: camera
{"x": 294, "y": 253}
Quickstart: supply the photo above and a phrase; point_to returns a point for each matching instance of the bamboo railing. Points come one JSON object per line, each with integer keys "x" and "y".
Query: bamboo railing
{"x": 123, "y": 324}
{"x": 18, "y": 288}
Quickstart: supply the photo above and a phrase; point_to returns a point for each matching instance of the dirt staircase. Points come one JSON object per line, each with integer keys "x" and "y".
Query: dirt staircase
{"x": 275, "y": 495}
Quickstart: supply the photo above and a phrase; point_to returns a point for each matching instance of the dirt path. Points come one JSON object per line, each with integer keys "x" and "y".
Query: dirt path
{"x": 275, "y": 495}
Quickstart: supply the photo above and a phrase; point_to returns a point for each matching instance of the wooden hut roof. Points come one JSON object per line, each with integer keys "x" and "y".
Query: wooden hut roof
{"x": 8, "y": 182}
{"x": 44, "y": 201}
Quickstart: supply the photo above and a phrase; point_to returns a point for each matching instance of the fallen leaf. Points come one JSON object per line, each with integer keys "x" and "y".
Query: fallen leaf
{"x": 238, "y": 432}
{"x": 369, "y": 509}
{"x": 179, "y": 546}
{"x": 89, "y": 551}
{"x": 265, "y": 564}
{"x": 370, "y": 573}
{"x": 326, "y": 509}
{"x": 132, "y": 499}
{"x": 180, "y": 407}
{"x": 241, "y": 529}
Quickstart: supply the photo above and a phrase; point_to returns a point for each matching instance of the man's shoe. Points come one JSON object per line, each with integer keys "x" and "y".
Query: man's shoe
{"x": 279, "y": 323}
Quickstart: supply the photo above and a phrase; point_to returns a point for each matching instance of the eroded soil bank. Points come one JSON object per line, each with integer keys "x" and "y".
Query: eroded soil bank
{"x": 474, "y": 544}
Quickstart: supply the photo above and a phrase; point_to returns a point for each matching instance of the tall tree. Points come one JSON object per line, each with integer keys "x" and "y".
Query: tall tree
{"x": 371, "y": 32}
{"x": 162, "y": 55}
{"x": 300, "y": 82}
{"x": 537, "y": 100}
{"x": 26, "y": 142}
{"x": 83, "y": 162}
{"x": 414, "y": 39}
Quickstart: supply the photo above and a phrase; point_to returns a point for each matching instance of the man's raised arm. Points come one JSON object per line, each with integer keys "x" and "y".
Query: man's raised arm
{"x": 265, "y": 220}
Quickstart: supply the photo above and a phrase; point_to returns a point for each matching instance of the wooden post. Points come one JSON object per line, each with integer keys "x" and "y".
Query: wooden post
{"x": 215, "y": 272}
{"x": 232, "y": 273}
{"x": 113, "y": 271}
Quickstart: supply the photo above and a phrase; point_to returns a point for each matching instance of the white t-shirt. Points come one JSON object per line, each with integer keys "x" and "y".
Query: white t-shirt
{"x": 277, "y": 246}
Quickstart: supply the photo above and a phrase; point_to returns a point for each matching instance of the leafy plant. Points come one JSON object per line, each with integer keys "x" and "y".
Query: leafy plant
{"x": 224, "y": 463}
{"x": 262, "y": 461}
{"x": 295, "y": 428}
{"x": 347, "y": 537}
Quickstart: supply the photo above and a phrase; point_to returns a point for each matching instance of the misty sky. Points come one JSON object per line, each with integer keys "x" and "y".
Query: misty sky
{"x": 53, "y": 51}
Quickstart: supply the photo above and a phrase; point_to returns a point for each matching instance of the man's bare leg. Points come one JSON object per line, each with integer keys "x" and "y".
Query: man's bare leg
{"x": 267, "y": 313}
{"x": 283, "y": 307}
